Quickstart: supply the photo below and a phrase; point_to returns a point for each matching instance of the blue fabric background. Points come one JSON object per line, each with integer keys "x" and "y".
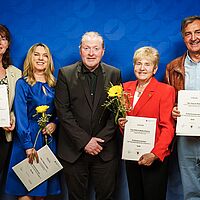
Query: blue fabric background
{"x": 125, "y": 25}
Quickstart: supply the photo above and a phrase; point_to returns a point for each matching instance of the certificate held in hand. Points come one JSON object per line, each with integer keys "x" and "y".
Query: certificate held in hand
{"x": 34, "y": 174}
{"x": 4, "y": 107}
{"x": 189, "y": 107}
{"x": 139, "y": 137}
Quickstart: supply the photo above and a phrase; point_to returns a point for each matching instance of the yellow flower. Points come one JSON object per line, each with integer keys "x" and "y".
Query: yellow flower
{"x": 118, "y": 101}
{"x": 42, "y": 121}
{"x": 115, "y": 91}
{"x": 41, "y": 109}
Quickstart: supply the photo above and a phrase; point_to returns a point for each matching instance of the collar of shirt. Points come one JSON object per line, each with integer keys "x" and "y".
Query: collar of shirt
{"x": 192, "y": 74}
{"x": 189, "y": 61}
{"x": 85, "y": 70}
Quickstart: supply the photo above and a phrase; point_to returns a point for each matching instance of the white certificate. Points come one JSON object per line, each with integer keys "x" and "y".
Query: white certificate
{"x": 188, "y": 124}
{"x": 4, "y": 107}
{"x": 139, "y": 137}
{"x": 32, "y": 175}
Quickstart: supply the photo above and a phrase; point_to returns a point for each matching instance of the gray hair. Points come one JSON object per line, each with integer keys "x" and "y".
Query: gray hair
{"x": 91, "y": 34}
{"x": 187, "y": 21}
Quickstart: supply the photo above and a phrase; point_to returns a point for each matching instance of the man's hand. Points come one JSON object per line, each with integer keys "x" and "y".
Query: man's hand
{"x": 93, "y": 147}
{"x": 175, "y": 113}
{"x": 147, "y": 159}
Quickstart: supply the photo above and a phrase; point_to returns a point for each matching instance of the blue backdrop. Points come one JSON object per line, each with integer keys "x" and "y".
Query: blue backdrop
{"x": 125, "y": 25}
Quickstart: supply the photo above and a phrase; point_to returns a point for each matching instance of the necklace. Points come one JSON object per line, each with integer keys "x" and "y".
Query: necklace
{"x": 139, "y": 91}
{"x": 141, "y": 87}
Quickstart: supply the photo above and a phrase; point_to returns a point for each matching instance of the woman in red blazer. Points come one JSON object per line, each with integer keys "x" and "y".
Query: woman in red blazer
{"x": 147, "y": 177}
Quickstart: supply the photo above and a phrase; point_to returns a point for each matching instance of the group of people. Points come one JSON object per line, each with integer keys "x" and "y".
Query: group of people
{"x": 86, "y": 140}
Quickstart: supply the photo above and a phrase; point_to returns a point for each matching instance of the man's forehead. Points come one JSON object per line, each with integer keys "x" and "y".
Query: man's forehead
{"x": 195, "y": 23}
{"x": 94, "y": 38}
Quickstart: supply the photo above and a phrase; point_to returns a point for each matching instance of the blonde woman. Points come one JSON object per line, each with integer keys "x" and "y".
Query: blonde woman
{"x": 147, "y": 177}
{"x": 34, "y": 89}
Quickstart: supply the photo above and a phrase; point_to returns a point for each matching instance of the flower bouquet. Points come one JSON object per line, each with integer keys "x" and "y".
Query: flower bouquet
{"x": 118, "y": 101}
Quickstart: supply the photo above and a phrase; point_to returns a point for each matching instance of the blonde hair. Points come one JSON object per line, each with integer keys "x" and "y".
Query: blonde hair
{"x": 28, "y": 66}
{"x": 147, "y": 52}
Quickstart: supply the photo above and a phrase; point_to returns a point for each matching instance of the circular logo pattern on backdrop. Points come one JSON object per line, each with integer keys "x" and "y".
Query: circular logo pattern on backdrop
{"x": 114, "y": 29}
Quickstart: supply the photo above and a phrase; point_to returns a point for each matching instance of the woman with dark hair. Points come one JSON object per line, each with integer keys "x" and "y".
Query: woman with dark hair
{"x": 8, "y": 76}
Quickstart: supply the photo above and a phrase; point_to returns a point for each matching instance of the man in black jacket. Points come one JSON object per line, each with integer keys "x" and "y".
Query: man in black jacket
{"x": 87, "y": 137}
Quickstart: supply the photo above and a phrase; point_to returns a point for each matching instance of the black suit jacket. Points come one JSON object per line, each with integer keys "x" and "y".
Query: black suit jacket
{"x": 79, "y": 118}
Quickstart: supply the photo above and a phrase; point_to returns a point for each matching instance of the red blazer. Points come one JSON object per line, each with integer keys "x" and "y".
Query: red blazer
{"x": 157, "y": 101}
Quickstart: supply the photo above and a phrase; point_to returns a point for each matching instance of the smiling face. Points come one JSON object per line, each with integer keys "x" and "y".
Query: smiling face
{"x": 91, "y": 50}
{"x": 145, "y": 63}
{"x": 191, "y": 37}
{"x": 4, "y": 44}
{"x": 39, "y": 59}
{"x": 144, "y": 69}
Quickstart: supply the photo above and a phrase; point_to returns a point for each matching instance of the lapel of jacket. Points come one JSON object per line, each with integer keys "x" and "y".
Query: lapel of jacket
{"x": 11, "y": 77}
{"x": 131, "y": 90}
{"x": 146, "y": 96}
{"x": 100, "y": 87}
{"x": 84, "y": 84}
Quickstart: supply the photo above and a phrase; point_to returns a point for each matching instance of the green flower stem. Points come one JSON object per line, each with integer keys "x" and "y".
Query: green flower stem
{"x": 37, "y": 137}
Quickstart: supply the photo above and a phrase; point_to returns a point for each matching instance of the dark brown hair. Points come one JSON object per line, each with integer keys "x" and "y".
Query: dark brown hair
{"x": 6, "y": 60}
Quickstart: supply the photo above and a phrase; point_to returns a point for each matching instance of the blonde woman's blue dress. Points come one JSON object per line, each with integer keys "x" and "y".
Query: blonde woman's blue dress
{"x": 27, "y": 98}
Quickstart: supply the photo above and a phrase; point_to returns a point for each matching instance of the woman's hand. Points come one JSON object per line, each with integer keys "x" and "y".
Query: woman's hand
{"x": 11, "y": 127}
{"x": 175, "y": 113}
{"x": 32, "y": 155}
{"x": 147, "y": 159}
{"x": 49, "y": 129}
{"x": 122, "y": 122}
